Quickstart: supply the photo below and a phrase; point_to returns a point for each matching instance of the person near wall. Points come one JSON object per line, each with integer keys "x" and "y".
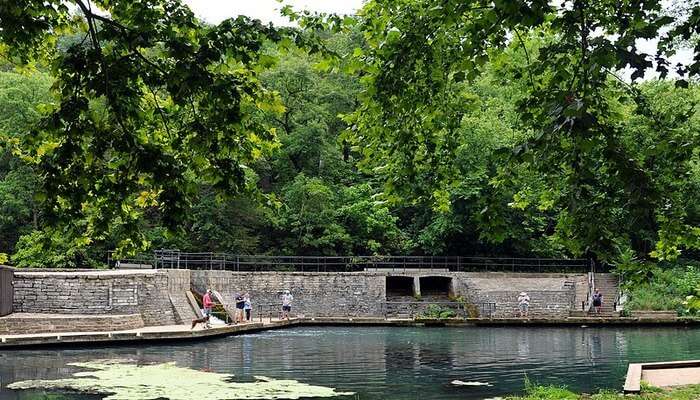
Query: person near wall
{"x": 208, "y": 304}
{"x": 240, "y": 306}
{"x": 247, "y": 306}
{"x": 524, "y": 304}
{"x": 597, "y": 301}
{"x": 286, "y": 304}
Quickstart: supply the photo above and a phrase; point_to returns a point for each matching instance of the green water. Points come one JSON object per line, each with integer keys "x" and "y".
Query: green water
{"x": 393, "y": 362}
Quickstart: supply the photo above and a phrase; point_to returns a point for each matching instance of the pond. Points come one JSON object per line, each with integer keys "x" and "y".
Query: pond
{"x": 393, "y": 362}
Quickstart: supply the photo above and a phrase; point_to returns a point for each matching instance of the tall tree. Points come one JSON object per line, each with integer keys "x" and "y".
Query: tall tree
{"x": 419, "y": 51}
{"x": 149, "y": 102}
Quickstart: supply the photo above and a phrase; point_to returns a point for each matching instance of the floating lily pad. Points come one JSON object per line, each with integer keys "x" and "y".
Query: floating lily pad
{"x": 122, "y": 380}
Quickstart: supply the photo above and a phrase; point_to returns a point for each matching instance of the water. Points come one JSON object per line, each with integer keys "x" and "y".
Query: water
{"x": 395, "y": 362}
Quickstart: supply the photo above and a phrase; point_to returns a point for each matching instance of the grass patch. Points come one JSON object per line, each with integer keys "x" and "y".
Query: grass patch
{"x": 537, "y": 392}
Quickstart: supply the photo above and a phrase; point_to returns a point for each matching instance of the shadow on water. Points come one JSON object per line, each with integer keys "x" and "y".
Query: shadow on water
{"x": 392, "y": 362}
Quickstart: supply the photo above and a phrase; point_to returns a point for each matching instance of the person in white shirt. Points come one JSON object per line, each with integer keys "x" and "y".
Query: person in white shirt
{"x": 523, "y": 304}
{"x": 286, "y": 304}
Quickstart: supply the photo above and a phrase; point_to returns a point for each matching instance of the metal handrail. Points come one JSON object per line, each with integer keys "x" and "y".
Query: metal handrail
{"x": 589, "y": 298}
{"x": 174, "y": 259}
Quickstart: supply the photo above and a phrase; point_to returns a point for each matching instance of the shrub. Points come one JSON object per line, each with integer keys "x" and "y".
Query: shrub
{"x": 663, "y": 287}
{"x": 434, "y": 311}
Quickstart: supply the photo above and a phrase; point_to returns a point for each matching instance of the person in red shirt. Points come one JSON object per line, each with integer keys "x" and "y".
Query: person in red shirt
{"x": 208, "y": 304}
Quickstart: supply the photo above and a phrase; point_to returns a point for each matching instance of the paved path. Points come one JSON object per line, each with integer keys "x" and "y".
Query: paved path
{"x": 150, "y": 333}
{"x": 672, "y": 377}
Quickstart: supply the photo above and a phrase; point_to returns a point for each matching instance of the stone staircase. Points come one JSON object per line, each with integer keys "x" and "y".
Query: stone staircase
{"x": 184, "y": 313}
{"x": 608, "y": 285}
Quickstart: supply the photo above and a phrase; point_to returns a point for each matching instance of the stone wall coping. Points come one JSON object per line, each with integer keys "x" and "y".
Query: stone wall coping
{"x": 399, "y": 273}
{"x": 35, "y": 316}
{"x": 77, "y": 274}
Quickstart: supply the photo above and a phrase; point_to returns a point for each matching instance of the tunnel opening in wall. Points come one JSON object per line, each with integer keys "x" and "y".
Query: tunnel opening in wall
{"x": 438, "y": 287}
{"x": 399, "y": 286}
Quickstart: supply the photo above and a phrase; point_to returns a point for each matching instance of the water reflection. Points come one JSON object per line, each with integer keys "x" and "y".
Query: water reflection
{"x": 406, "y": 363}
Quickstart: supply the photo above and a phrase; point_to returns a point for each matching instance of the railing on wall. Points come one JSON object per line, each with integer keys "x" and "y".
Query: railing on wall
{"x": 174, "y": 259}
{"x": 6, "y": 291}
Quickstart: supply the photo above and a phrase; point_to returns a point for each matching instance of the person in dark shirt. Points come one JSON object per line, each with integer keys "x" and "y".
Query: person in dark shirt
{"x": 597, "y": 301}
{"x": 240, "y": 305}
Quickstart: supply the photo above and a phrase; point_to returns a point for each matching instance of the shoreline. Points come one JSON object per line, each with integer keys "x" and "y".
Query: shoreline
{"x": 154, "y": 335}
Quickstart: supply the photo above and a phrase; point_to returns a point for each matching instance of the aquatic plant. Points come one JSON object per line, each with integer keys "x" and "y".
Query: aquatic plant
{"x": 434, "y": 311}
{"x": 121, "y": 380}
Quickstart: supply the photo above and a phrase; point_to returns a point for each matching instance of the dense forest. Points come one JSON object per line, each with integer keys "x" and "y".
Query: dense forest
{"x": 415, "y": 127}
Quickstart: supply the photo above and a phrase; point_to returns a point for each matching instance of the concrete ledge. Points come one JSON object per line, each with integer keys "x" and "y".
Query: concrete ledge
{"x": 647, "y": 314}
{"x": 148, "y": 334}
{"x": 674, "y": 377}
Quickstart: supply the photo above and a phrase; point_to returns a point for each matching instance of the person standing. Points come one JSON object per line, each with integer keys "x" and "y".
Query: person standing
{"x": 208, "y": 305}
{"x": 597, "y": 301}
{"x": 524, "y": 304}
{"x": 286, "y": 304}
{"x": 247, "y": 306}
{"x": 239, "y": 308}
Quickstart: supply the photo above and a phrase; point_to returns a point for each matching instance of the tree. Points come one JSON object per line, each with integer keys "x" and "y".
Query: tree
{"x": 418, "y": 54}
{"x": 149, "y": 102}
{"x": 20, "y": 98}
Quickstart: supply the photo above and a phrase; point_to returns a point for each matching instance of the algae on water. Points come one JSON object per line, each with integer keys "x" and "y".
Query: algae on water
{"x": 127, "y": 381}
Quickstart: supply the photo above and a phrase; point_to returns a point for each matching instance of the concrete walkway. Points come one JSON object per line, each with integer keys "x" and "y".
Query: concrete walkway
{"x": 150, "y": 333}
{"x": 662, "y": 374}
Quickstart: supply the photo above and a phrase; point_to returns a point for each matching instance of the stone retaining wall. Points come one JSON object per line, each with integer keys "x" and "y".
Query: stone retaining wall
{"x": 551, "y": 295}
{"x": 95, "y": 293}
{"x": 159, "y": 295}
{"x": 364, "y": 293}
{"x": 315, "y": 294}
{"x": 19, "y": 324}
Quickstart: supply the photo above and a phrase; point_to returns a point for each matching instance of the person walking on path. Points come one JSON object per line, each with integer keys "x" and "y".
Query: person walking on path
{"x": 240, "y": 305}
{"x": 247, "y": 306}
{"x": 597, "y": 301}
{"x": 286, "y": 304}
{"x": 523, "y": 304}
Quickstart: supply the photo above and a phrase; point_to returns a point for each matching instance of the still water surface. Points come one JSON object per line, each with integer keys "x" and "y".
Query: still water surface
{"x": 395, "y": 362}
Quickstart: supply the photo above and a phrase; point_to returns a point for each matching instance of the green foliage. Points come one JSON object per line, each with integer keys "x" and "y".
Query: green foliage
{"x": 537, "y": 392}
{"x": 658, "y": 288}
{"x": 316, "y": 218}
{"x": 150, "y": 103}
{"x": 568, "y": 173}
{"x": 435, "y": 311}
{"x": 53, "y": 249}
{"x": 453, "y": 127}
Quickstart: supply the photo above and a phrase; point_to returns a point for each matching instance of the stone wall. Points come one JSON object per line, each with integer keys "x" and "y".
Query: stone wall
{"x": 364, "y": 293}
{"x": 96, "y": 293}
{"x": 18, "y": 324}
{"x": 315, "y": 294}
{"x": 551, "y": 295}
{"x": 178, "y": 285}
{"x": 159, "y": 296}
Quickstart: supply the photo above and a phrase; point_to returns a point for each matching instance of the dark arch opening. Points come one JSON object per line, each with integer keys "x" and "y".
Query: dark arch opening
{"x": 436, "y": 286}
{"x": 399, "y": 286}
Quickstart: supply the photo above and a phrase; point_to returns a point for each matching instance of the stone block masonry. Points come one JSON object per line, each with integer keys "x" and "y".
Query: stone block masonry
{"x": 96, "y": 293}
{"x": 315, "y": 293}
{"x": 364, "y": 293}
{"x": 20, "y": 324}
{"x": 159, "y": 296}
{"x": 551, "y": 295}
